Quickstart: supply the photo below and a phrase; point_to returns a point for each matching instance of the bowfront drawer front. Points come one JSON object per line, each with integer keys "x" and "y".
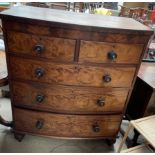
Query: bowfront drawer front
{"x": 68, "y": 99}
{"x": 84, "y": 126}
{"x": 41, "y": 46}
{"x": 102, "y": 52}
{"x": 69, "y": 74}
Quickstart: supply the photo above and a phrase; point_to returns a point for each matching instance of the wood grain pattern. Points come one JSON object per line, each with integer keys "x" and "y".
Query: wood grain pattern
{"x": 66, "y": 125}
{"x": 54, "y": 31}
{"x": 68, "y": 99}
{"x": 70, "y": 87}
{"x": 69, "y": 74}
{"x": 54, "y": 48}
{"x": 98, "y": 52}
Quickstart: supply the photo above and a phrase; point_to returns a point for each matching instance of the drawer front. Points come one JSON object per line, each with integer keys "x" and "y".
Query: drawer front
{"x": 101, "y": 35}
{"x": 101, "y": 52}
{"x": 41, "y": 46}
{"x": 66, "y": 125}
{"x": 68, "y": 99}
{"x": 70, "y": 74}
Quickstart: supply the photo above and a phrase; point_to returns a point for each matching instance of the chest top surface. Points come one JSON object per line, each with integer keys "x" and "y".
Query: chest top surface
{"x": 74, "y": 19}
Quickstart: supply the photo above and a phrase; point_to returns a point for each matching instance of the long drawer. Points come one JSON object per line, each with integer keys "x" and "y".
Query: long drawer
{"x": 68, "y": 99}
{"x": 78, "y": 126}
{"x": 103, "y": 52}
{"x": 71, "y": 74}
{"x": 41, "y": 46}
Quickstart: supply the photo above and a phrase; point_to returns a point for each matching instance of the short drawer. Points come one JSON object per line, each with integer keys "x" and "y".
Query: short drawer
{"x": 41, "y": 46}
{"x": 59, "y": 125}
{"x": 102, "y": 52}
{"x": 70, "y": 74}
{"x": 68, "y": 99}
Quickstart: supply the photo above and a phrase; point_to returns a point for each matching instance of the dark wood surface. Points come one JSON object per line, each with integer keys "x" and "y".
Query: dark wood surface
{"x": 142, "y": 100}
{"x": 72, "y": 18}
{"x": 143, "y": 91}
{"x": 71, "y": 80}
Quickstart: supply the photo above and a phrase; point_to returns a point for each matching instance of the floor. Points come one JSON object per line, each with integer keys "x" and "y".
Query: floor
{"x": 42, "y": 145}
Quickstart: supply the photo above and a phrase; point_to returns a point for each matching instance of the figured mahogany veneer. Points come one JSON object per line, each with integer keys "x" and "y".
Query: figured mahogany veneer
{"x": 84, "y": 33}
{"x": 68, "y": 99}
{"x": 70, "y": 74}
{"x": 80, "y": 126}
{"x": 48, "y": 47}
{"x": 97, "y": 52}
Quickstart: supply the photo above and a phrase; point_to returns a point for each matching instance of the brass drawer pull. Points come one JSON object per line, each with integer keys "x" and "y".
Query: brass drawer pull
{"x": 107, "y": 78}
{"x": 39, "y": 124}
{"x": 40, "y": 98}
{"x": 112, "y": 55}
{"x": 39, "y": 48}
{"x": 101, "y": 102}
{"x": 39, "y": 72}
{"x": 96, "y": 128}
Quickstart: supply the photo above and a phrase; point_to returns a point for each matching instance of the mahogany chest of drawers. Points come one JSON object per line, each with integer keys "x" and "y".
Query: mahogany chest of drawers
{"x": 70, "y": 74}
